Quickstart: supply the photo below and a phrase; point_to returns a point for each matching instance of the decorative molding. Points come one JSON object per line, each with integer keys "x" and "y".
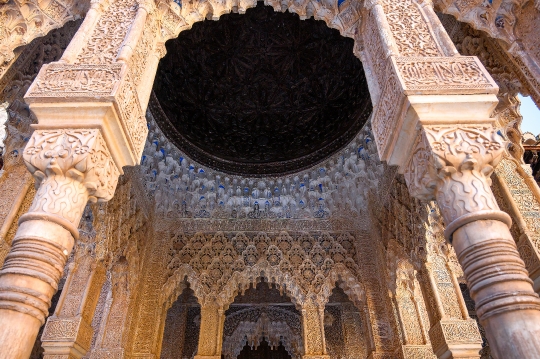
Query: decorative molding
{"x": 345, "y": 17}
{"x": 218, "y": 264}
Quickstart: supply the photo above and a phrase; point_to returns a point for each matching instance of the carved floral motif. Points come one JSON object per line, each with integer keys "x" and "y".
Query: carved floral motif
{"x": 109, "y": 33}
{"x": 410, "y": 29}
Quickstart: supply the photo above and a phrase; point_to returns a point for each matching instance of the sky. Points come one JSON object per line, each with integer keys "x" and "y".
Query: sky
{"x": 531, "y": 116}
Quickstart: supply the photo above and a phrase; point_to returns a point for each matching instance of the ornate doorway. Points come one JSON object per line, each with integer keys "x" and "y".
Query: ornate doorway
{"x": 261, "y": 321}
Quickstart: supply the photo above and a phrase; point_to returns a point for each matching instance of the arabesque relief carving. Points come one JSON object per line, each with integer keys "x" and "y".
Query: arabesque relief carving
{"x": 217, "y": 265}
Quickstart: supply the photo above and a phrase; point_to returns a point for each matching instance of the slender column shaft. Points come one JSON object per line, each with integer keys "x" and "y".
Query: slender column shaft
{"x": 400, "y": 320}
{"x": 313, "y": 332}
{"x": 28, "y": 281}
{"x": 436, "y": 296}
{"x": 211, "y": 332}
{"x": 459, "y": 295}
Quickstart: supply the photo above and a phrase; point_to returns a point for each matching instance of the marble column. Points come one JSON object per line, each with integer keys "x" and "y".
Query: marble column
{"x": 211, "y": 331}
{"x": 71, "y": 167}
{"x": 453, "y": 164}
{"x": 432, "y": 120}
{"x": 90, "y": 125}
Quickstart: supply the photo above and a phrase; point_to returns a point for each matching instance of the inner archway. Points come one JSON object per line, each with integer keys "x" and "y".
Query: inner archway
{"x": 262, "y": 323}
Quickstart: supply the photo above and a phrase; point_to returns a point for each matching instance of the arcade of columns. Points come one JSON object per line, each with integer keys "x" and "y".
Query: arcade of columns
{"x": 445, "y": 208}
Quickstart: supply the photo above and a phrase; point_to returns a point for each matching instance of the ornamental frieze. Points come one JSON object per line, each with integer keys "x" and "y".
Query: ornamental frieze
{"x": 67, "y": 80}
{"x": 444, "y": 75}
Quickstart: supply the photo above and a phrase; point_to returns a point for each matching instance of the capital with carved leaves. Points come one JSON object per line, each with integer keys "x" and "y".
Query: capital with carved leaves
{"x": 453, "y": 165}
{"x": 71, "y": 167}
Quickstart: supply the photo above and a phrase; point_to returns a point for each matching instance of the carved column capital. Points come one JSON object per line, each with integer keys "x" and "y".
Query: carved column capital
{"x": 453, "y": 165}
{"x": 70, "y": 167}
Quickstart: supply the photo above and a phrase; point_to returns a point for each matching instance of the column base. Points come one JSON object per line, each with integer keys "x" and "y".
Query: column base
{"x": 452, "y": 339}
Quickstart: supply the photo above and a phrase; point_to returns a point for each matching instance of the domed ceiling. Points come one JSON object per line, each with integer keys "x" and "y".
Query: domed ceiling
{"x": 260, "y": 94}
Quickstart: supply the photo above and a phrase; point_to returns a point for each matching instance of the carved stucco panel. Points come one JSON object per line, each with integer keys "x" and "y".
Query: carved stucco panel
{"x": 410, "y": 29}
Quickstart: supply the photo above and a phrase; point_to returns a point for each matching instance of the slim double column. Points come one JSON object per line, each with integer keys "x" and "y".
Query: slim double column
{"x": 313, "y": 331}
